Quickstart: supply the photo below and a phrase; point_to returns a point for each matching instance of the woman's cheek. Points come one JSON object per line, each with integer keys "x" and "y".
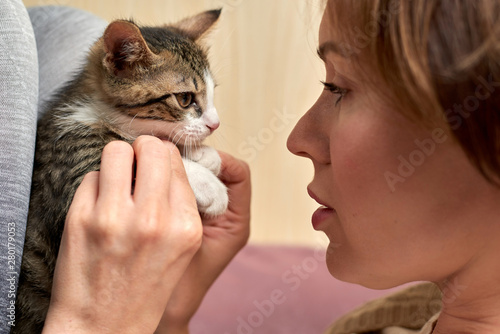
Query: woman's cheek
{"x": 360, "y": 154}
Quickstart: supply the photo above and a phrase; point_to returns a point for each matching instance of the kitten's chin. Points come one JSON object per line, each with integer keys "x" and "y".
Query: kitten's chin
{"x": 184, "y": 137}
{"x": 185, "y": 134}
{"x": 178, "y": 139}
{"x": 183, "y": 141}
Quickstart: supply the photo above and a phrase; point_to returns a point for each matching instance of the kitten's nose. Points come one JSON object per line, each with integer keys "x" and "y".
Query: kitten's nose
{"x": 212, "y": 127}
{"x": 211, "y": 119}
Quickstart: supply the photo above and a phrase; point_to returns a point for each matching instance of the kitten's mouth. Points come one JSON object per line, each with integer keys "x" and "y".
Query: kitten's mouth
{"x": 184, "y": 140}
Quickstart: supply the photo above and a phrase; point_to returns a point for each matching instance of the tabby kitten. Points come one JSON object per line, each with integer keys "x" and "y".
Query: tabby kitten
{"x": 148, "y": 80}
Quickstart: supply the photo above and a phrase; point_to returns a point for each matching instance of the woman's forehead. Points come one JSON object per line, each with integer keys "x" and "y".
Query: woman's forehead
{"x": 340, "y": 27}
{"x": 337, "y": 49}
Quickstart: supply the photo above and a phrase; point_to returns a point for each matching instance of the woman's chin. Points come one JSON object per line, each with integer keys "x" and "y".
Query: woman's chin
{"x": 346, "y": 271}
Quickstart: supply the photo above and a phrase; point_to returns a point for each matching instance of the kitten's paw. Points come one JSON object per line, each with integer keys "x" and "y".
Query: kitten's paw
{"x": 213, "y": 202}
{"x": 207, "y": 157}
{"x": 210, "y": 193}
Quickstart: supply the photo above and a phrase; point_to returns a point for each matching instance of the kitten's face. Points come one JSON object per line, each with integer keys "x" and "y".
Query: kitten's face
{"x": 158, "y": 81}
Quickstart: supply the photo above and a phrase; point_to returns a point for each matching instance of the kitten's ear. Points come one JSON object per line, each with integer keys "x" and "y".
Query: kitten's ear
{"x": 125, "y": 48}
{"x": 197, "y": 26}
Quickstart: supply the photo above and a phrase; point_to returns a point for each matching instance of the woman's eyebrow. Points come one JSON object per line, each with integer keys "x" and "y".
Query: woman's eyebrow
{"x": 330, "y": 46}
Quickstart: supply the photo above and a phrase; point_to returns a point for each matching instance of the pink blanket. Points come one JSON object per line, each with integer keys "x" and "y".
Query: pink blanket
{"x": 274, "y": 290}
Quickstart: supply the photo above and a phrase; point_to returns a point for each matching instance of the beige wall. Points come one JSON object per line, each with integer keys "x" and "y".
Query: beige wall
{"x": 264, "y": 58}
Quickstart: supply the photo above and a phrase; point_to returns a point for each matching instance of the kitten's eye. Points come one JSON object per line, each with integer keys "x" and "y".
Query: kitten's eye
{"x": 184, "y": 99}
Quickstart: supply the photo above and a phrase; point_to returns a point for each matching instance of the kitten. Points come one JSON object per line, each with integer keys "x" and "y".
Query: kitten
{"x": 149, "y": 80}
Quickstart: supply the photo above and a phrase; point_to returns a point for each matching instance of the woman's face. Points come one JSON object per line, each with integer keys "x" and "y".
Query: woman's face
{"x": 396, "y": 193}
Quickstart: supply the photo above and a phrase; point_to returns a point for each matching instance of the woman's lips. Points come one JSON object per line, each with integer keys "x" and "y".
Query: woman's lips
{"x": 322, "y": 213}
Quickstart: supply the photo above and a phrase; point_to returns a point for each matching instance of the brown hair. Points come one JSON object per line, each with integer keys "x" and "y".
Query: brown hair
{"x": 439, "y": 58}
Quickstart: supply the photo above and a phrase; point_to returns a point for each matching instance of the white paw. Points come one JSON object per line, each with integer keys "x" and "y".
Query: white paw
{"x": 206, "y": 156}
{"x": 210, "y": 192}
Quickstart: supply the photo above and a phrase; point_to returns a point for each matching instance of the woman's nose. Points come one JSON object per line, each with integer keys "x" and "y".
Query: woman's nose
{"x": 297, "y": 140}
{"x": 310, "y": 136}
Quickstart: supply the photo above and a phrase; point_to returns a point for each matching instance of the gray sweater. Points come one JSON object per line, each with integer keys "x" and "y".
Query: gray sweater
{"x": 39, "y": 51}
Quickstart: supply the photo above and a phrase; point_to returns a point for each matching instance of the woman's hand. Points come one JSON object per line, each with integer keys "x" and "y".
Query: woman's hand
{"x": 223, "y": 237}
{"x": 122, "y": 253}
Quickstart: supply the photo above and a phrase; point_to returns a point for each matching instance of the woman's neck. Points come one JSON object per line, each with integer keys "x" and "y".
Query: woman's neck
{"x": 456, "y": 323}
{"x": 471, "y": 297}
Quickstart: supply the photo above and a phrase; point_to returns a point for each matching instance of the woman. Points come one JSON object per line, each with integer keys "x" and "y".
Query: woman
{"x": 405, "y": 142}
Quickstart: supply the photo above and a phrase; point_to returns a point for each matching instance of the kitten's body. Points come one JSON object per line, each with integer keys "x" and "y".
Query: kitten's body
{"x": 137, "y": 81}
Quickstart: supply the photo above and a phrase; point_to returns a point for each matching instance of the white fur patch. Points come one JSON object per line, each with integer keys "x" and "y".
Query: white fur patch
{"x": 210, "y": 116}
{"x": 209, "y": 82}
{"x": 85, "y": 113}
{"x": 95, "y": 114}
{"x": 210, "y": 192}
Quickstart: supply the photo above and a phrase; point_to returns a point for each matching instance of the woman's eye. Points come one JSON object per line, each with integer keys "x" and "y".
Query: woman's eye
{"x": 335, "y": 90}
{"x": 184, "y": 99}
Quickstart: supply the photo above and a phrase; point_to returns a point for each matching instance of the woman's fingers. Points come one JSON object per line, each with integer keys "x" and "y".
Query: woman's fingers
{"x": 181, "y": 194}
{"x": 84, "y": 200}
{"x": 86, "y": 194}
{"x": 115, "y": 180}
{"x": 235, "y": 174}
{"x": 153, "y": 170}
